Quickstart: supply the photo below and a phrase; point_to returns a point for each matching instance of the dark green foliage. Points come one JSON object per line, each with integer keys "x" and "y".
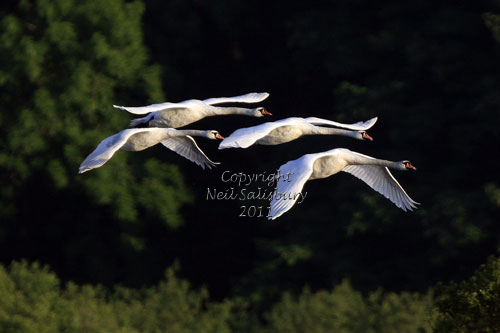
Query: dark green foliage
{"x": 472, "y": 305}
{"x": 346, "y": 310}
{"x": 32, "y": 299}
{"x": 64, "y": 64}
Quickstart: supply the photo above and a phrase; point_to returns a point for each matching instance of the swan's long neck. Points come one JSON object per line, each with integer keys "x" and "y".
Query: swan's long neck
{"x": 189, "y": 132}
{"x": 317, "y": 130}
{"x": 218, "y": 110}
{"x": 360, "y": 159}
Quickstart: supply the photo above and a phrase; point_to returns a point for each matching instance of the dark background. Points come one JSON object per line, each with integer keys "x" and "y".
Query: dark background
{"x": 429, "y": 70}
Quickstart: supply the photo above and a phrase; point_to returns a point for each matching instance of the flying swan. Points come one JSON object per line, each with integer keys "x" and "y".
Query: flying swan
{"x": 136, "y": 139}
{"x": 183, "y": 113}
{"x": 372, "y": 171}
{"x": 289, "y": 129}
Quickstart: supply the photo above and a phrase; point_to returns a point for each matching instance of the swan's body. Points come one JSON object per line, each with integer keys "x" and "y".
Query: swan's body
{"x": 137, "y": 139}
{"x": 373, "y": 172}
{"x": 286, "y": 130}
{"x": 175, "y": 115}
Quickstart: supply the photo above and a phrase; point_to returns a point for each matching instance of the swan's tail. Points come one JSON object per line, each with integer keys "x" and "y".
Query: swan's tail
{"x": 138, "y": 121}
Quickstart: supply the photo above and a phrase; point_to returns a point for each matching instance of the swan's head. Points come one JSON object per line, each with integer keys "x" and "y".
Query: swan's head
{"x": 404, "y": 165}
{"x": 261, "y": 112}
{"x": 214, "y": 135}
{"x": 364, "y": 136}
{"x": 360, "y": 135}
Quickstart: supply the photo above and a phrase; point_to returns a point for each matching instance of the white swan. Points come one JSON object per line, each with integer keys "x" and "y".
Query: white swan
{"x": 373, "y": 172}
{"x": 175, "y": 115}
{"x": 285, "y": 130}
{"x": 136, "y": 139}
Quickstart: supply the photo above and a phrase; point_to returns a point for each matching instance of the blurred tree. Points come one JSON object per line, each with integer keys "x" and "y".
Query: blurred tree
{"x": 346, "y": 310}
{"x": 472, "y": 305}
{"x": 64, "y": 63}
{"x": 32, "y": 299}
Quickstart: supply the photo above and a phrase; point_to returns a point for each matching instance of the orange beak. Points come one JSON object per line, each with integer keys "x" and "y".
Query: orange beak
{"x": 218, "y": 136}
{"x": 266, "y": 113}
{"x": 366, "y": 137}
{"x": 409, "y": 166}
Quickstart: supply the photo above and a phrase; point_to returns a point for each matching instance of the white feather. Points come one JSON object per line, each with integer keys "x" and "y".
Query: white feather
{"x": 359, "y": 126}
{"x": 186, "y": 147}
{"x": 247, "y": 98}
{"x": 151, "y": 108}
{"x": 107, "y": 148}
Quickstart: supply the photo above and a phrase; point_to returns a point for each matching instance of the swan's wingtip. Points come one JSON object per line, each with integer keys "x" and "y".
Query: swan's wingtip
{"x": 371, "y": 122}
{"x": 213, "y": 164}
{"x": 225, "y": 146}
{"x": 259, "y": 95}
{"x": 85, "y": 168}
{"x": 209, "y": 165}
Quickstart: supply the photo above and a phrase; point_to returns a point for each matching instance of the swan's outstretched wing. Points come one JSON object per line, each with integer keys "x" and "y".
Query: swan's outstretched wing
{"x": 152, "y": 107}
{"x": 381, "y": 180}
{"x": 359, "y": 126}
{"x": 187, "y": 147}
{"x": 248, "y": 98}
{"x": 296, "y": 173}
{"x": 107, "y": 148}
{"x": 245, "y": 137}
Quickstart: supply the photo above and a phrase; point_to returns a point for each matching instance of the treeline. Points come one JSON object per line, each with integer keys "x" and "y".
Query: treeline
{"x": 33, "y": 299}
